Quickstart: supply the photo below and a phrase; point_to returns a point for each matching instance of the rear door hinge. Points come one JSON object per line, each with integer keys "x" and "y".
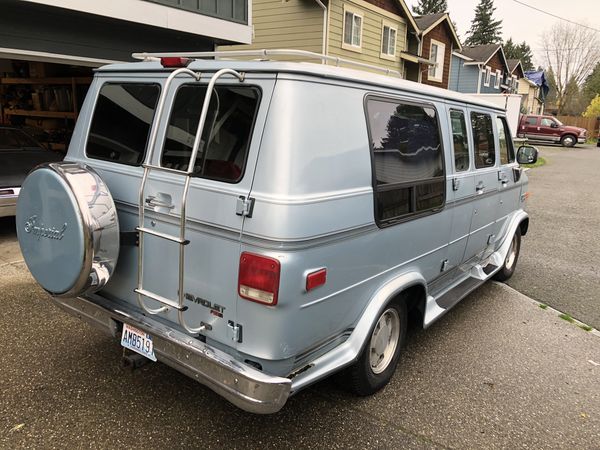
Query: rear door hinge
{"x": 234, "y": 331}
{"x": 245, "y": 206}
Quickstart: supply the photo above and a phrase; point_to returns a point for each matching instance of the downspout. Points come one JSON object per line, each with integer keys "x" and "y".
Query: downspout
{"x": 324, "y": 8}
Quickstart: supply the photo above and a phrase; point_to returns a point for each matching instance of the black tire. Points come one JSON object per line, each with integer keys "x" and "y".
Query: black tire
{"x": 510, "y": 263}
{"x": 568, "y": 140}
{"x": 361, "y": 377}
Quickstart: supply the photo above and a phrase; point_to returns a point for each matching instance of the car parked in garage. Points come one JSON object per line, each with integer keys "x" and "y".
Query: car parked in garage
{"x": 19, "y": 153}
{"x": 550, "y": 129}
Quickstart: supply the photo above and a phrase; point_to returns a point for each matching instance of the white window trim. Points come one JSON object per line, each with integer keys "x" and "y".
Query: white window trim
{"x": 487, "y": 76}
{"x": 515, "y": 83}
{"x": 359, "y": 13}
{"x": 498, "y": 80}
{"x": 441, "y": 49}
{"x": 391, "y": 26}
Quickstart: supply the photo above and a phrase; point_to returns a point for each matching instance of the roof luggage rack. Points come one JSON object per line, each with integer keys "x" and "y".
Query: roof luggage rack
{"x": 265, "y": 53}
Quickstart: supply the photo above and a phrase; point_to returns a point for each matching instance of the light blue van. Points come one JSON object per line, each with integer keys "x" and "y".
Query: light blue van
{"x": 260, "y": 225}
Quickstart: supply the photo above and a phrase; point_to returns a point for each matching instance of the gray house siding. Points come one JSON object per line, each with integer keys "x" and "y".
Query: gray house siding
{"x": 233, "y": 10}
{"x": 463, "y": 78}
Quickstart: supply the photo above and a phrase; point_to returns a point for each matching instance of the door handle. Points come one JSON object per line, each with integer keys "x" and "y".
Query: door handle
{"x": 479, "y": 188}
{"x": 153, "y": 202}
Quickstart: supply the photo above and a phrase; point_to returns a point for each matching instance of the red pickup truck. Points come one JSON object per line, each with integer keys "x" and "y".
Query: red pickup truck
{"x": 550, "y": 129}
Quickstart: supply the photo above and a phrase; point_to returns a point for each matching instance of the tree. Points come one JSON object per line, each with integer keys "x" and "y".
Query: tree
{"x": 520, "y": 51}
{"x": 484, "y": 29}
{"x": 593, "y": 109}
{"x": 425, "y": 7}
{"x": 591, "y": 87}
{"x": 571, "y": 52}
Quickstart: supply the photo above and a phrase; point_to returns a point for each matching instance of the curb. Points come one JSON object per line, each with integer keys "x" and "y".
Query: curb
{"x": 545, "y": 307}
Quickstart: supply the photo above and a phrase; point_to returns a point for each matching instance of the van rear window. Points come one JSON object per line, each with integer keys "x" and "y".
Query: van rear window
{"x": 226, "y": 136}
{"x": 121, "y": 122}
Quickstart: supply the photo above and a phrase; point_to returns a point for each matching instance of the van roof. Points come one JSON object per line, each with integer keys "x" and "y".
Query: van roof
{"x": 309, "y": 68}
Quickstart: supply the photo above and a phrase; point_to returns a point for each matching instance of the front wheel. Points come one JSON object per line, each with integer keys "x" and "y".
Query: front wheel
{"x": 568, "y": 140}
{"x": 510, "y": 263}
{"x": 379, "y": 357}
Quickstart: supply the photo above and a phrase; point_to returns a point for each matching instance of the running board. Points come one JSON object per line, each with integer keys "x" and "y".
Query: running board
{"x": 458, "y": 292}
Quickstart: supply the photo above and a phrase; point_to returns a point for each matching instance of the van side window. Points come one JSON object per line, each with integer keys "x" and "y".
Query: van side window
{"x": 226, "y": 136}
{"x": 408, "y": 159}
{"x": 121, "y": 122}
{"x": 507, "y": 151}
{"x": 483, "y": 139}
{"x": 460, "y": 140}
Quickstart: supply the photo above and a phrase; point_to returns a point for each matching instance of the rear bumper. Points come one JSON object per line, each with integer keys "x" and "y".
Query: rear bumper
{"x": 8, "y": 201}
{"x": 239, "y": 383}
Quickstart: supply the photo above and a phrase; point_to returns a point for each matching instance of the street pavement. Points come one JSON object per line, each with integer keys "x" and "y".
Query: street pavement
{"x": 497, "y": 371}
{"x": 560, "y": 257}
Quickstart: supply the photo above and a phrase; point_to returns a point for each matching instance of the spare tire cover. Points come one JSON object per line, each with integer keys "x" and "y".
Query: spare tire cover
{"x": 68, "y": 228}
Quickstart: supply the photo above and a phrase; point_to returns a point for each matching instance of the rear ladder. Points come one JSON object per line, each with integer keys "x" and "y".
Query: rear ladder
{"x": 181, "y": 240}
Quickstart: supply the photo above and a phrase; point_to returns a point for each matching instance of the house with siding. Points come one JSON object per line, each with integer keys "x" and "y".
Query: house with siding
{"x": 377, "y": 32}
{"x": 515, "y": 75}
{"x": 438, "y": 40}
{"x": 479, "y": 69}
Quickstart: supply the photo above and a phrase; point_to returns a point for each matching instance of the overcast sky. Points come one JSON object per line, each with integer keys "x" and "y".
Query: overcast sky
{"x": 523, "y": 23}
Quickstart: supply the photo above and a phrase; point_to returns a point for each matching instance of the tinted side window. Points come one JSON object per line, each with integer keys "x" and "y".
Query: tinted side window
{"x": 531, "y": 120}
{"x": 460, "y": 140}
{"x": 507, "y": 152}
{"x": 408, "y": 159}
{"x": 483, "y": 140}
{"x": 226, "y": 135}
{"x": 121, "y": 122}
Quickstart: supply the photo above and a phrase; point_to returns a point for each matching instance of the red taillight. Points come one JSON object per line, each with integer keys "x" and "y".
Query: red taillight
{"x": 174, "y": 61}
{"x": 259, "y": 278}
{"x": 316, "y": 279}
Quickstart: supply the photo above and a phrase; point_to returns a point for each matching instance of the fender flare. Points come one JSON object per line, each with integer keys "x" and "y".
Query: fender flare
{"x": 348, "y": 352}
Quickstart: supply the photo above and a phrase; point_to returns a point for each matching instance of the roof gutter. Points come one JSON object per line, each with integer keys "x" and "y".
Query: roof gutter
{"x": 324, "y": 8}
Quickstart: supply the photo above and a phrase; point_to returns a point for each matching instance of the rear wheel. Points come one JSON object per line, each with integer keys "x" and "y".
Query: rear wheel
{"x": 568, "y": 140}
{"x": 510, "y": 263}
{"x": 379, "y": 357}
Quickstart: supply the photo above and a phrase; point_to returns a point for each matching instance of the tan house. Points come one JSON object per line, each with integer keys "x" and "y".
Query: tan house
{"x": 376, "y": 32}
{"x": 438, "y": 39}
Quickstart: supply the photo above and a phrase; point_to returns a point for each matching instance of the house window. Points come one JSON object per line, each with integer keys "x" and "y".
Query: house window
{"x": 408, "y": 160}
{"x": 436, "y": 55}
{"x": 388, "y": 41}
{"x": 487, "y": 76}
{"x": 352, "y": 29}
{"x": 515, "y": 83}
{"x": 498, "y": 79}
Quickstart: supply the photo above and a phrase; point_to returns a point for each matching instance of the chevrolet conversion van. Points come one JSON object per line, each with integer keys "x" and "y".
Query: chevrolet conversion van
{"x": 259, "y": 225}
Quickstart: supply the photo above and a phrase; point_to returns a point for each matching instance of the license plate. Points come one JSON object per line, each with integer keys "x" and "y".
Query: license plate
{"x": 137, "y": 340}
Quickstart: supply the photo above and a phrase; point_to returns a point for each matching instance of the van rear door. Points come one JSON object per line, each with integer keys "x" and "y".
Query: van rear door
{"x": 218, "y": 191}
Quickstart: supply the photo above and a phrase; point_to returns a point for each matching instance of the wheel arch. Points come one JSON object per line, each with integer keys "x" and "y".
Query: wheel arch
{"x": 524, "y": 225}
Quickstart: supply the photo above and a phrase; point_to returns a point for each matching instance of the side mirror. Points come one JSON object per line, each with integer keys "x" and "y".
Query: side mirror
{"x": 553, "y": 125}
{"x": 527, "y": 154}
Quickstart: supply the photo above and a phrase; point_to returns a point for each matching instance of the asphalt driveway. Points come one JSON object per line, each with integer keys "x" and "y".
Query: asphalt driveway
{"x": 560, "y": 256}
{"x": 496, "y": 372}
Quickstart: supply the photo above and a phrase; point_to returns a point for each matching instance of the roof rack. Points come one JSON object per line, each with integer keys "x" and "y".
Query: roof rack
{"x": 265, "y": 53}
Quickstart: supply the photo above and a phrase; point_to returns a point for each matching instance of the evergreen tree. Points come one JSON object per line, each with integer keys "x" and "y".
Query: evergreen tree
{"x": 425, "y": 7}
{"x": 484, "y": 29}
{"x": 591, "y": 86}
{"x": 520, "y": 51}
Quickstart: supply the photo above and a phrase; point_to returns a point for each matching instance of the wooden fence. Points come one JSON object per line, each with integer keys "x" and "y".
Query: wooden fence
{"x": 589, "y": 123}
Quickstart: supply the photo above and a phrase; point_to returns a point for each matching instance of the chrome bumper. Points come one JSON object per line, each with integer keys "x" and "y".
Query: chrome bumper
{"x": 8, "y": 201}
{"x": 239, "y": 383}
{"x": 581, "y": 140}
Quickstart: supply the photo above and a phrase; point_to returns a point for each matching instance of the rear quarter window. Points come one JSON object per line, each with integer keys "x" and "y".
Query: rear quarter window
{"x": 121, "y": 122}
{"x": 407, "y": 154}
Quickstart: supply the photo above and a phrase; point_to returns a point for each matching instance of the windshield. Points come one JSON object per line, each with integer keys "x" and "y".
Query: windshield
{"x": 12, "y": 139}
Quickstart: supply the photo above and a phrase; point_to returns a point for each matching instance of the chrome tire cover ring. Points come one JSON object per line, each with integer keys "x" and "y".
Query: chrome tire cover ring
{"x": 68, "y": 229}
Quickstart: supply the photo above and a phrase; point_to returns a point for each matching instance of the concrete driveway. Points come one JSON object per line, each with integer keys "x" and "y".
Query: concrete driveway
{"x": 560, "y": 257}
{"x": 496, "y": 372}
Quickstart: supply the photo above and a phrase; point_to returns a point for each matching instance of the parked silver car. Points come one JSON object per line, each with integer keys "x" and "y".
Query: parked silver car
{"x": 273, "y": 222}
